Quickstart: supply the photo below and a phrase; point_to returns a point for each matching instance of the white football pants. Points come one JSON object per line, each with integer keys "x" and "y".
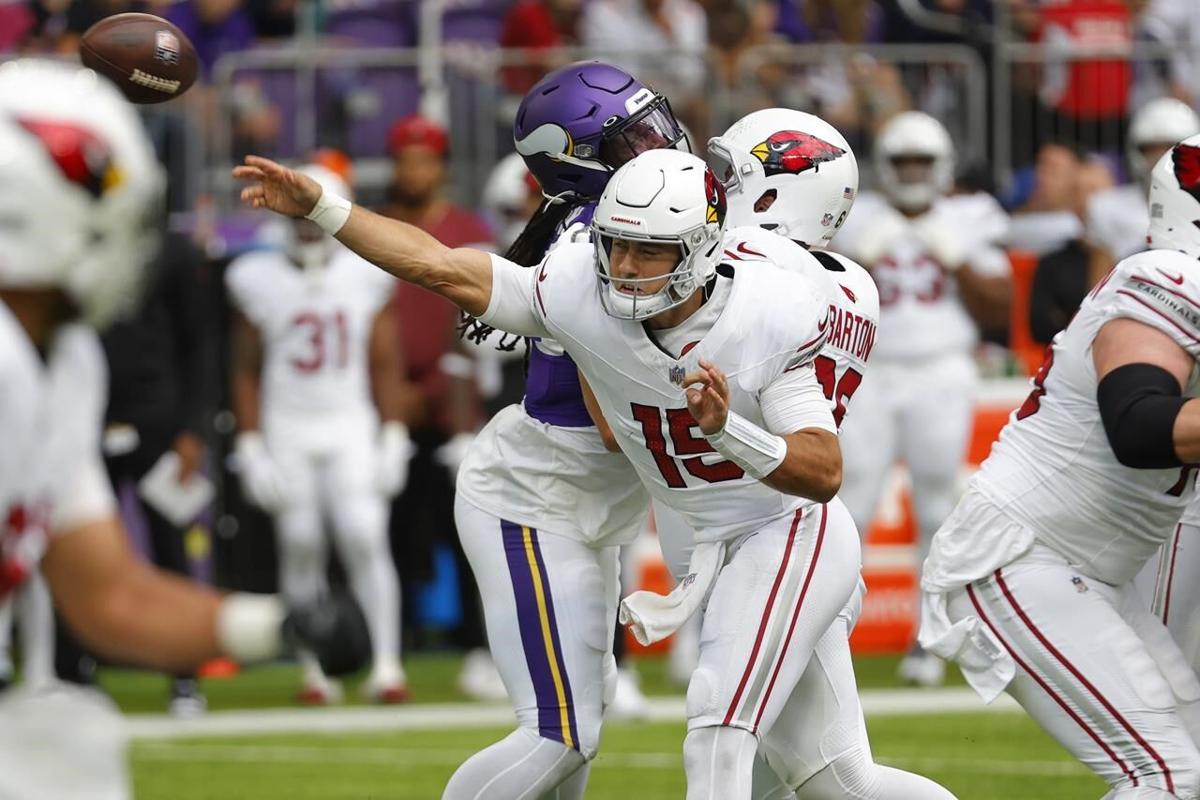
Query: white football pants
{"x": 1094, "y": 668}
{"x": 919, "y": 412}
{"x": 31, "y": 609}
{"x": 329, "y": 471}
{"x": 817, "y": 748}
{"x": 1170, "y": 584}
{"x": 549, "y": 605}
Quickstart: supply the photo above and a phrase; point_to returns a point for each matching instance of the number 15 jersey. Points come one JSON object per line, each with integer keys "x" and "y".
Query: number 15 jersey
{"x": 771, "y": 322}
{"x": 1053, "y": 469}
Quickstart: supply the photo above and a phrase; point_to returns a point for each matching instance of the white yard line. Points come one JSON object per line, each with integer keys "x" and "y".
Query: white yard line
{"x": 456, "y": 716}
{"x": 407, "y": 757}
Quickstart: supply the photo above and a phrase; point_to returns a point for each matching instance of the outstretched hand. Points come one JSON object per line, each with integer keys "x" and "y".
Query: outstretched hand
{"x": 708, "y": 402}
{"x": 277, "y": 188}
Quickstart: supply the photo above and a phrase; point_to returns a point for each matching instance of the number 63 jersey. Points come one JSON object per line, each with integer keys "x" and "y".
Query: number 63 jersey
{"x": 315, "y": 327}
{"x": 771, "y": 322}
{"x": 1053, "y": 470}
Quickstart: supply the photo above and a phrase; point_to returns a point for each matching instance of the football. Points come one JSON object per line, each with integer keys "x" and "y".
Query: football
{"x": 148, "y": 58}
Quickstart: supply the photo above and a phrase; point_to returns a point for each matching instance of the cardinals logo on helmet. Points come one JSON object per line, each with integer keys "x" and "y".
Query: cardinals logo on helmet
{"x": 82, "y": 157}
{"x": 1186, "y": 159}
{"x": 793, "y": 152}
{"x": 715, "y": 192}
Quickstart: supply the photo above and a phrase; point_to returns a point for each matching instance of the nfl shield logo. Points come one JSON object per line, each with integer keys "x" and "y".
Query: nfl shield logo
{"x": 166, "y": 47}
{"x": 677, "y": 375}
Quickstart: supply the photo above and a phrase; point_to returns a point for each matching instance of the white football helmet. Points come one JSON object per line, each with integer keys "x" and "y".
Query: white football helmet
{"x": 787, "y": 171}
{"x": 664, "y": 197}
{"x": 1164, "y": 121}
{"x": 914, "y": 134}
{"x": 1175, "y": 199}
{"x": 304, "y": 241}
{"x": 81, "y": 193}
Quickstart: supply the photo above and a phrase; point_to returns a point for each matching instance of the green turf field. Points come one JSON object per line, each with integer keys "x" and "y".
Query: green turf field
{"x": 980, "y": 756}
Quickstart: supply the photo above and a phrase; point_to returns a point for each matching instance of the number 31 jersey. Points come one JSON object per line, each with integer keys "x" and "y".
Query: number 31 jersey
{"x": 1053, "y": 469}
{"x": 315, "y": 327}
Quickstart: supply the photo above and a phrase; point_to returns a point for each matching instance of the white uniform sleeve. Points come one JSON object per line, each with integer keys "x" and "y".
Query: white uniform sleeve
{"x": 84, "y": 498}
{"x": 513, "y": 306}
{"x": 1155, "y": 289}
{"x": 795, "y": 401}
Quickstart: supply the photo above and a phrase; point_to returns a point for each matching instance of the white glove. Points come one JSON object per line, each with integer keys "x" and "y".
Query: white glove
{"x": 454, "y": 452}
{"x": 879, "y": 237}
{"x": 392, "y": 457}
{"x": 261, "y": 482}
{"x": 942, "y": 242}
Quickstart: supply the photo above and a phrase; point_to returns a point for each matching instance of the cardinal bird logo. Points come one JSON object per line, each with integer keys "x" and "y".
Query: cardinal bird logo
{"x": 793, "y": 152}
{"x": 1186, "y": 159}
{"x": 83, "y": 158}
{"x": 715, "y": 192}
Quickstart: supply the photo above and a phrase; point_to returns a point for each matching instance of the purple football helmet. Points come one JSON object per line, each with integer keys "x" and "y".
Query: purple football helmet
{"x": 583, "y": 121}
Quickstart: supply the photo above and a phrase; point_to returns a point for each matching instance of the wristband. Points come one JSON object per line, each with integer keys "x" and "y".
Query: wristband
{"x": 330, "y": 212}
{"x": 249, "y": 626}
{"x": 753, "y": 449}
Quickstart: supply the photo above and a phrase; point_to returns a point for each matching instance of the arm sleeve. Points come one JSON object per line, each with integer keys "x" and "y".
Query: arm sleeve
{"x": 1151, "y": 296}
{"x": 514, "y": 306}
{"x": 86, "y": 497}
{"x": 795, "y": 401}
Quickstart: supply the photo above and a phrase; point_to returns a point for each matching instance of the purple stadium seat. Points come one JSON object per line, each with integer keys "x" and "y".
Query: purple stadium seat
{"x": 474, "y": 20}
{"x": 376, "y": 23}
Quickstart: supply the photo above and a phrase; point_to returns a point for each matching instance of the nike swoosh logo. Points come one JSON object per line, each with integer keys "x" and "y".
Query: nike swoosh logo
{"x": 542, "y": 275}
{"x": 749, "y": 251}
{"x": 1177, "y": 280}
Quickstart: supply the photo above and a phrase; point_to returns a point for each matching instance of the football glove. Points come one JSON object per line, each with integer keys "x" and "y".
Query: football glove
{"x": 260, "y": 479}
{"x": 333, "y": 629}
{"x": 392, "y": 456}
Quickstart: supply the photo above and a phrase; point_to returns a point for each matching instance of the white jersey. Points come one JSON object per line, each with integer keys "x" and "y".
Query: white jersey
{"x": 854, "y": 310}
{"x": 920, "y": 312}
{"x": 51, "y": 412}
{"x": 1053, "y": 470}
{"x": 771, "y": 322}
{"x": 1118, "y": 219}
{"x": 315, "y": 328}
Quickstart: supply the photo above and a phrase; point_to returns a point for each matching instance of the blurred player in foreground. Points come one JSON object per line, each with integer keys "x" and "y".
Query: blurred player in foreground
{"x": 941, "y": 274}
{"x": 79, "y": 192}
{"x": 1029, "y": 583}
{"x": 317, "y": 395}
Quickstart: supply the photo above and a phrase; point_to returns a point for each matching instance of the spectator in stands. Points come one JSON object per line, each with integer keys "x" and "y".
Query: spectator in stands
{"x": 443, "y": 426}
{"x": 1175, "y": 25}
{"x": 662, "y": 41}
{"x": 1062, "y": 277}
{"x": 857, "y": 95}
{"x": 161, "y": 380}
{"x": 540, "y": 26}
{"x": 1047, "y": 219}
{"x": 1081, "y": 100}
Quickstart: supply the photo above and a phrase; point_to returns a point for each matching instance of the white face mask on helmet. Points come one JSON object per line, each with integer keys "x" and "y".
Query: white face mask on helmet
{"x": 660, "y": 197}
{"x": 80, "y": 189}
{"x": 1164, "y": 121}
{"x": 787, "y": 171}
{"x": 914, "y": 134}
{"x": 304, "y": 242}
{"x": 1175, "y": 199}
